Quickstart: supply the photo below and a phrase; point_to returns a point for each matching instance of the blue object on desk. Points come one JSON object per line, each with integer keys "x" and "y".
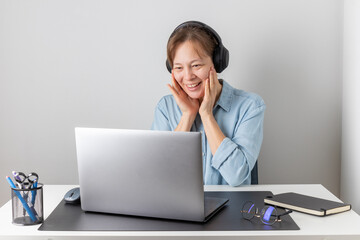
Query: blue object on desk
{"x": 26, "y": 206}
{"x": 33, "y": 193}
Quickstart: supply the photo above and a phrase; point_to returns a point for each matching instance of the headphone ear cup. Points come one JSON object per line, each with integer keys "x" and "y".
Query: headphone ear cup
{"x": 217, "y": 60}
{"x": 220, "y": 58}
{"x": 168, "y": 66}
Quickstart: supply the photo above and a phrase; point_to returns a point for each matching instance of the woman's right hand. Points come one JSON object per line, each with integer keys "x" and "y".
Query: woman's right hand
{"x": 187, "y": 105}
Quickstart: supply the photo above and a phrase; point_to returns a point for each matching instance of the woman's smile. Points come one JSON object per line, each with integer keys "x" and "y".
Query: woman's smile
{"x": 194, "y": 86}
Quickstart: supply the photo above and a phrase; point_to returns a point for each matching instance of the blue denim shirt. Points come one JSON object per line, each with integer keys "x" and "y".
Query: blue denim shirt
{"x": 240, "y": 116}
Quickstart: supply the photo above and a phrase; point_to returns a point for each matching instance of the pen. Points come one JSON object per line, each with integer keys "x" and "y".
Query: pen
{"x": 26, "y": 206}
{"x": 33, "y": 193}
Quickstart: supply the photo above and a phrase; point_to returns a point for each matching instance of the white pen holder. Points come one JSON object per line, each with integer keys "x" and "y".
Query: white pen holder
{"x": 27, "y": 205}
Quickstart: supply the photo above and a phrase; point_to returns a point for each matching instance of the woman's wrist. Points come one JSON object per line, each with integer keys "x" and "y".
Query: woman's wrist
{"x": 186, "y": 122}
{"x": 189, "y": 115}
{"x": 212, "y": 130}
{"x": 205, "y": 115}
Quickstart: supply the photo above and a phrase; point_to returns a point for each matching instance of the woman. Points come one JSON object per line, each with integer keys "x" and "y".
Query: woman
{"x": 231, "y": 120}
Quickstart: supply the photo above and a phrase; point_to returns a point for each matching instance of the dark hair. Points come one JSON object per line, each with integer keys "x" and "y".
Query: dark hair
{"x": 195, "y": 34}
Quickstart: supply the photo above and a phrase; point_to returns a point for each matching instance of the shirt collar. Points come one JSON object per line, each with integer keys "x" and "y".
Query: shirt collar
{"x": 226, "y": 96}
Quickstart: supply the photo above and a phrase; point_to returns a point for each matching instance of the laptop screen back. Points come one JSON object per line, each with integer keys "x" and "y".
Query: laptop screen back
{"x": 141, "y": 172}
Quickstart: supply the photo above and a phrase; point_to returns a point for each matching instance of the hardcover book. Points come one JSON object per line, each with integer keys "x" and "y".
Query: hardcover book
{"x": 307, "y": 204}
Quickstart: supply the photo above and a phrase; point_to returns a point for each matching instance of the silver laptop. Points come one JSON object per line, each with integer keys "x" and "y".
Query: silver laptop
{"x": 143, "y": 173}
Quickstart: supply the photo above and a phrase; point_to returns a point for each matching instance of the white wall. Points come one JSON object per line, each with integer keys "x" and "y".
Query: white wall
{"x": 93, "y": 63}
{"x": 350, "y": 166}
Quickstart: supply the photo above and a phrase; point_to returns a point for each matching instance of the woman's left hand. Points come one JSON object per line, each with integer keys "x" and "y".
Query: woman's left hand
{"x": 212, "y": 87}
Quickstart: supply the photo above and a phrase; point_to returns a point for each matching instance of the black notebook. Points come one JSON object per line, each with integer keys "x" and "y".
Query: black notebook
{"x": 307, "y": 204}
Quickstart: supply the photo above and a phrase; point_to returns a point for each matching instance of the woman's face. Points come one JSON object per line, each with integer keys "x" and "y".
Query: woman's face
{"x": 191, "y": 70}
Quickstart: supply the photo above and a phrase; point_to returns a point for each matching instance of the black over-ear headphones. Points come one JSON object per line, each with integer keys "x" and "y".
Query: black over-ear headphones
{"x": 220, "y": 55}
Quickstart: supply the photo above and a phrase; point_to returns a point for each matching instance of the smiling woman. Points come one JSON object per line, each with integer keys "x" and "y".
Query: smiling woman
{"x": 231, "y": 119}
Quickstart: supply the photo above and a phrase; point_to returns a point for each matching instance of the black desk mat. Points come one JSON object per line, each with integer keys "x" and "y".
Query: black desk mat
{"x": 68, "y": 217}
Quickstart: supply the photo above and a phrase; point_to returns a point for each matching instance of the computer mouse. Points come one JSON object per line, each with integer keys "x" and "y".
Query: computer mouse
{"x": 73, "y": 196}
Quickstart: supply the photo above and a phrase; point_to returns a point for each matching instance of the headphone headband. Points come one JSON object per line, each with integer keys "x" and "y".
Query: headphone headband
{"x": 220, "y": 54}
{"x": 201, "y": 25}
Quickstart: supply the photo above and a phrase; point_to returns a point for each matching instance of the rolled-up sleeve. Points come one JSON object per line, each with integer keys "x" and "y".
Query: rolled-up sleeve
{"x": 236, "y": 156}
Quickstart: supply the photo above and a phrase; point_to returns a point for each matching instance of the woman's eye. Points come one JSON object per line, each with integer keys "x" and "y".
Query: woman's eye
{"x": 196, "y": 65}
{"x": 177, "y": 68}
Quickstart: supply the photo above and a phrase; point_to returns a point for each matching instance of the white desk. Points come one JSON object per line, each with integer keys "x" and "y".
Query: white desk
{"x": 341, "y": 226}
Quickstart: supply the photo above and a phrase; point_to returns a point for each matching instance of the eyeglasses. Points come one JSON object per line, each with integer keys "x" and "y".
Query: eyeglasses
{"x": 268, "y": 214}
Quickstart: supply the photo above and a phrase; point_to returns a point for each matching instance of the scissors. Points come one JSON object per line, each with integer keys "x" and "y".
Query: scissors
{"x": 26, "y": 182}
